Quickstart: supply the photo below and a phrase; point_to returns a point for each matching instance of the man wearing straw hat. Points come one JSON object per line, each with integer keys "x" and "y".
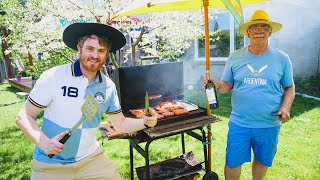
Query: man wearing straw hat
{"x": 261, "y": 80}
{"x": 61, "y": 91}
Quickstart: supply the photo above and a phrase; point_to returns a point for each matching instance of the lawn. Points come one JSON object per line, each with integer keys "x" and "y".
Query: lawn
{"x": 298, "y": 155}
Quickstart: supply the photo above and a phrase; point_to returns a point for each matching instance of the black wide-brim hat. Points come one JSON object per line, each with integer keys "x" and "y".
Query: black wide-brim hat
{"x": 74, "y": 32}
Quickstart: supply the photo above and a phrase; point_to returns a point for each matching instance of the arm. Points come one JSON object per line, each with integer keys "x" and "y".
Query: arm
{"x": 124, "y": 124}
{"x": 26, "y": 122}
{"x": 221, "y": 87}
{"x": 284, "y": 112}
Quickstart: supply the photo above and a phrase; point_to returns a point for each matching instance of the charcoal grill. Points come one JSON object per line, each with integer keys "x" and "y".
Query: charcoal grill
{"x": 167, "y": 80}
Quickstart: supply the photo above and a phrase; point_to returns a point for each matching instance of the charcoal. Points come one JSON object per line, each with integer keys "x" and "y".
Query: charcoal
{"x": 171, "y": 168}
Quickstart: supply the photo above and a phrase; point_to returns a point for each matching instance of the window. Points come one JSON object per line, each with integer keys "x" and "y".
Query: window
{"x": 224, "y": 38}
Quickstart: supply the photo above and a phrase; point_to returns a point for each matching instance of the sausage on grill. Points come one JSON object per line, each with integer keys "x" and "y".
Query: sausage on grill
{"x": 180, "y": 112}
{"x": 163, "y": 111}
{"x": 168, "y": 114}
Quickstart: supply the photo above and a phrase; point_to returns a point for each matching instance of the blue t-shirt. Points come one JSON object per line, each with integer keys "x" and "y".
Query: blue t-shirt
{"x": 258, "y": 83}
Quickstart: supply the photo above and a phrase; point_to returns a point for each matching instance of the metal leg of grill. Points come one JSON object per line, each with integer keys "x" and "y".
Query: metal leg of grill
{"x": 147, "y": 160}
{"x": 205, "y": 152}
{"x": 131, "y": 163}
{"x": 183, "y": 144}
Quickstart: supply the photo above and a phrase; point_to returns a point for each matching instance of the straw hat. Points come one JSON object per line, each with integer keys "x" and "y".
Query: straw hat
{"x": 75, "y": 31}
{"x": 260, "y": 17}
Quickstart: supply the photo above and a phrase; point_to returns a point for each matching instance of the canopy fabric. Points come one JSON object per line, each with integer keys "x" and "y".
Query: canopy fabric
{"x": 152, "y": 6}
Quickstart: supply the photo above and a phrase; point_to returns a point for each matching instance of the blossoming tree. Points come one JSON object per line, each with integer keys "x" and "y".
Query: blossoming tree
{"x": 36, "y": 26}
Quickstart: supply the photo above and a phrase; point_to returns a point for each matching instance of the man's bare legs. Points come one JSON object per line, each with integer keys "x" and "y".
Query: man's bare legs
{"x": 259, "y": 171}
{"x": 232, "y": 173}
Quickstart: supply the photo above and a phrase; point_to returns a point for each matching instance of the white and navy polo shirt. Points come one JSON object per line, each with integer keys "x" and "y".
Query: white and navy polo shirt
{"x": 62, "y": 91}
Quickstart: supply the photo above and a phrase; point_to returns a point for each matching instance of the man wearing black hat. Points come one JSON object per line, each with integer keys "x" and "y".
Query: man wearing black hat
{"x": 261, "y": 80}
{"x": 61, "y": 91}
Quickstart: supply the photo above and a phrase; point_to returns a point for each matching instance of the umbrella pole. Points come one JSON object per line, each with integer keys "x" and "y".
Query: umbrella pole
{"x": 207, "y": 52}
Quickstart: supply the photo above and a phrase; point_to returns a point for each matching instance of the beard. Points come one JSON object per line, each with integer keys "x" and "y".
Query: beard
{"x": 91, "y": 65}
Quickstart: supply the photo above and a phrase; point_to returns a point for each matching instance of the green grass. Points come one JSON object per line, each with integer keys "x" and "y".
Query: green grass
{"x": 298, "y": 155}
{"x": 16, "y": 150}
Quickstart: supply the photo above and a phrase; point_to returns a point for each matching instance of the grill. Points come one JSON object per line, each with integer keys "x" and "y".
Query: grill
{"x": 158, "y": 79}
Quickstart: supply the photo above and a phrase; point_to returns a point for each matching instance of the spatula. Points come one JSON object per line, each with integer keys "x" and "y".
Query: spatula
{"x": 88, "y": 109}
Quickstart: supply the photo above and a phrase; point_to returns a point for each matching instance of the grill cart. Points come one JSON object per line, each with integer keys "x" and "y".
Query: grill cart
{"x": 165, "y": 83}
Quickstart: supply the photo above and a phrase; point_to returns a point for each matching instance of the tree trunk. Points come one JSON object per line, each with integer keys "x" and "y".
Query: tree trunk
{"x": 133, "y": 55}
{"x": 135, "y": 44}
{"x": 7, "y": 57}
{"x": 30, "y": 58}
{"x": 113, "y": 60}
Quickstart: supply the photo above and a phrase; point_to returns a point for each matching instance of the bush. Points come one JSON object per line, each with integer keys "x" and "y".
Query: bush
{"x": 309, "y": 85}
{"x": 51, "y": 61}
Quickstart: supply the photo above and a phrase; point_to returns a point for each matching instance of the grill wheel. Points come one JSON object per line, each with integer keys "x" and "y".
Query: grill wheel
{"x": 210, "y": 176}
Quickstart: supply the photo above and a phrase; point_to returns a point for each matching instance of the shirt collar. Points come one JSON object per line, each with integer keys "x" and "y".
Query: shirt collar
{"x": 76, "y": 71}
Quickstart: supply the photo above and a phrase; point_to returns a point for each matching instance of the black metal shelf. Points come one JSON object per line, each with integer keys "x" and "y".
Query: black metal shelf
{"x": 170, "y": 129}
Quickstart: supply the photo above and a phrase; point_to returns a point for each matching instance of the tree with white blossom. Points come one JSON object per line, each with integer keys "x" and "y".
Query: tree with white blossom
{"x": 36, "y": 26}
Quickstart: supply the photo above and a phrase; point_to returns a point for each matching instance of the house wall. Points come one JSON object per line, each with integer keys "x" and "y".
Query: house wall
{"x": 195, "y": 71}
{"x": 299, "y": 38}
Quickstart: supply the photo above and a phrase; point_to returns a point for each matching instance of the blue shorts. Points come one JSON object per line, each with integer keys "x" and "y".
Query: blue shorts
{"x": 263, "y": 142}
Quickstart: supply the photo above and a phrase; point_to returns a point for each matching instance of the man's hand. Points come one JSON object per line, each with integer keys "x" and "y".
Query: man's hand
{"x": 283, "y": 115}
{"x": 205, "y": 81}
{"x": 151, "y": 121}
{"x": 53, "y": 146}
{"x": 221, "y": 86}
{"x": 284, "y": 112}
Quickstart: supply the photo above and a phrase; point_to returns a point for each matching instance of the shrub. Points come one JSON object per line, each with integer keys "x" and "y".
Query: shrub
{"x": 50, "y": 61}
{"x": 309, "y": 85}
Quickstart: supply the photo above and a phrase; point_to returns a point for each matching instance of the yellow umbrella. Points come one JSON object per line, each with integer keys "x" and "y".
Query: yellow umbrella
{"x": 152, "y": 6}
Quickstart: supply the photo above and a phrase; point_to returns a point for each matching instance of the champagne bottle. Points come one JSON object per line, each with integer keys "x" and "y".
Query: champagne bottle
{"x": 212, "y": 95}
